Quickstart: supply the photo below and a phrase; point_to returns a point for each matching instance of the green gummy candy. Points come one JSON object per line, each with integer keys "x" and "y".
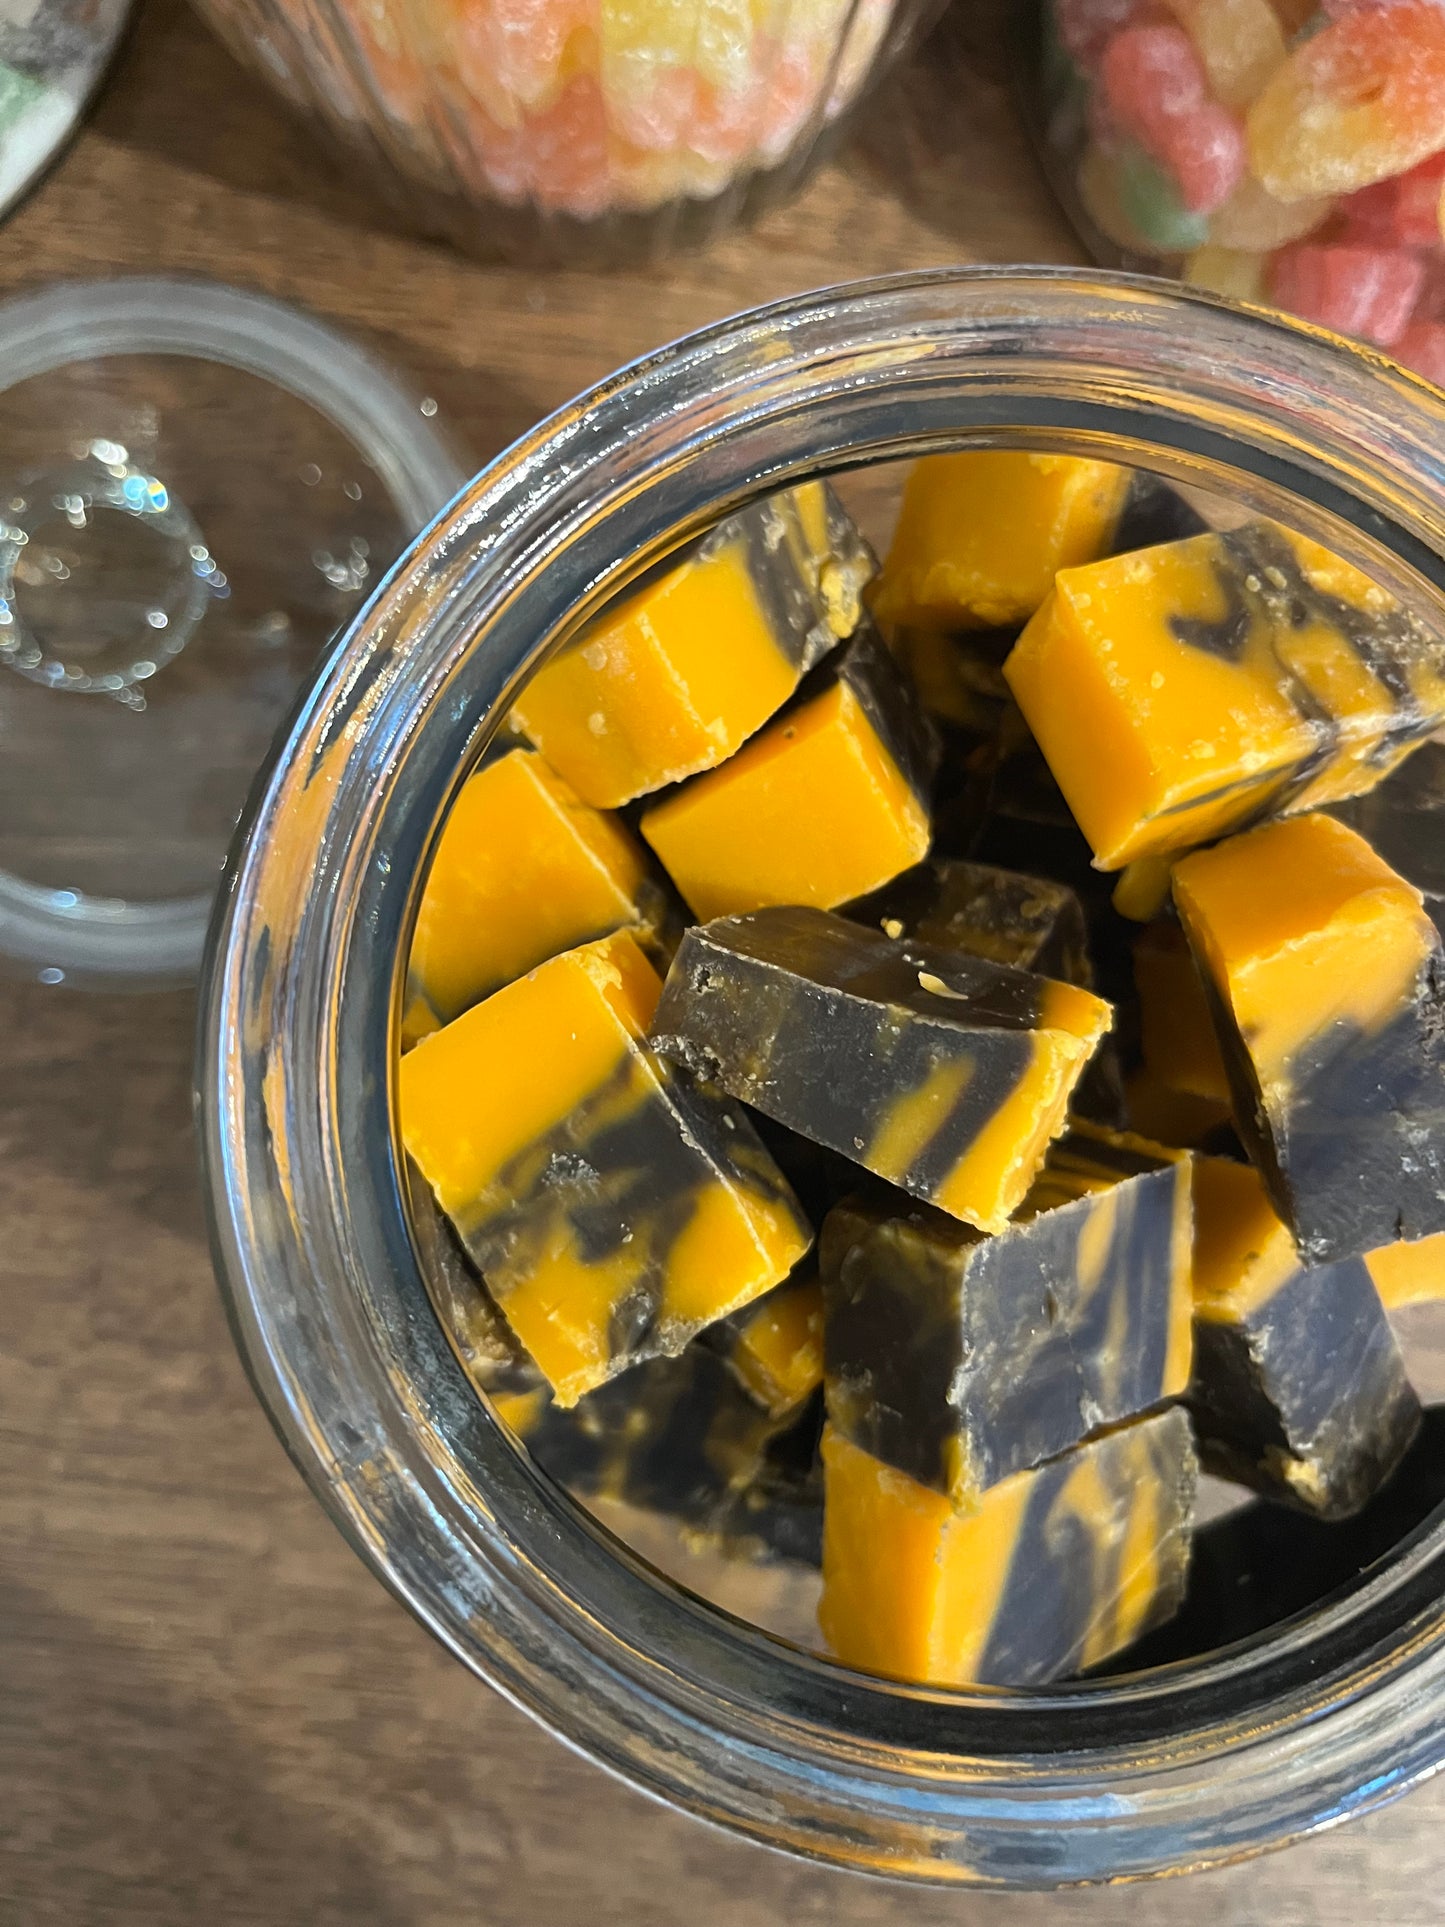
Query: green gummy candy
{"x": 1150, "y": 201}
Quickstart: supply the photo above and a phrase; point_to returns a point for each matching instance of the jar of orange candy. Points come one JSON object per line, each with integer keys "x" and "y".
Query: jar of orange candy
{"x": 1288, "y": 151}
{"x": 576, "y": 128}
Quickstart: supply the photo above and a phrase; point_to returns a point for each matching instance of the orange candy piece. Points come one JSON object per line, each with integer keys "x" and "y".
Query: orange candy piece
{"x": 1357, "y": 102}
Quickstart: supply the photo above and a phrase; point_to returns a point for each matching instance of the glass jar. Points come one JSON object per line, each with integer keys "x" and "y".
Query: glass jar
{"x": 576, "y": 129}
{"x": 1288, "y": 151}
{"x": 1325, "y": 1715}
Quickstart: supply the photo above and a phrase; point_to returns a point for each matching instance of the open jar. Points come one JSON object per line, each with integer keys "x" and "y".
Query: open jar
{"x": 552, "y": 130}
{"x": 1324, "y": 1714}
{"x": 1286, "y": 151}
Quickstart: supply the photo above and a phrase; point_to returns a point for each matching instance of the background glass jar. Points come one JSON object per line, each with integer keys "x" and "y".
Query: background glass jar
{"x": 1290, "y": 151}
{"x": 1326, "y": 1714}
{"x": 577, "y": 128}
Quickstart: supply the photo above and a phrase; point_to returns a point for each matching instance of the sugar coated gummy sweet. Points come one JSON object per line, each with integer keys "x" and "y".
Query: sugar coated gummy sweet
{"x": 1155, "y": 89}
{"x": 1362, "y": 99}
{"x": 585, "y": 108}
{"x": 1273, "y": 150}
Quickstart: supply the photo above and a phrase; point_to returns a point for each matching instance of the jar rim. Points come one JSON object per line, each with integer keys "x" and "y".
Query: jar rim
{"x": 1184, "y": 1767}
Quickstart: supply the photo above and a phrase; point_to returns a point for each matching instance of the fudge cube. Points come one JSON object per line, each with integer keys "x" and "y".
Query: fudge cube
{"x": 948, "y": 1075}
{"x": 1299, "y": 1389}
{"x": 1143, "y": 890}
{"x": 1029, "y": 922}
{"x": 489, "y": 1351}
{"x": 830, "y": 801}
{"x": 981, "y": 534}
{"x": 524, "y": 870}
{"x": 1155, "y": 512}
{"x": 1264, "y": 1563}
{"x": 958, "y": 678}
{"x": 418, "y": 1020}
{"x": 612, "y": 1208}
{"x": 1176, "y": 1026}
{"x": 1409, "y": 1273}
{"x": 671, "y": 679}
{"x": 1403, "y": 821}
{"x": 1016, "y": 819}
{"x": 961, "y": 1359}
{"x": 1166, "y": 1115}
{"x": 1060, "y": 1567}
{"x": 1184, "y": 691}
{"x": 1328, "y": 988}
{"x": 775, "y": 1345}
{"x": 680, "y": 1437}
{"x": 677, "y": 1436}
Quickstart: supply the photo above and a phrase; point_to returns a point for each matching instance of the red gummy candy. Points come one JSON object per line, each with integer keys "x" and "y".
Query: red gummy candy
{"x": 1417, "y": 204}
{"x": 1154, "y": 89}
{"x": 1401, "y": 212}
{"x": 1360, "y": 101}
{"x": 1422, "y": 347}
{"x": 1152, "y": 78}
{"x": 1370, "y": 292}
{"x": 1206, "y": 156}
{"x": 1366, "y": 218}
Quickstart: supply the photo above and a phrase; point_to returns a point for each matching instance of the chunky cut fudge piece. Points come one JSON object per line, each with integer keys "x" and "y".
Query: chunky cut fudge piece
{"x": 1265, "y": 1563}
{"x": 775, "y": 1345}
{"x": 677, "y": 1436}
{"x": 1176, "y": 1027}
{"x": 1013, "y": 815}
{"x": 680, "y": 1437}
{"x": 981, "y": 535}
{"x": 1166, "y": 1115}
{"x": 1059, "y": 1568}
{"x": 1029, "y": 922}
{"x": 523, "y": 871}
{"x": 1404, "y": 822}
{"x": 1183, "y": 692}
{"x": 613, "y": 1208}
{"x": 830, "y": 801}
{"x": 1299, "y": 1389}
{"x": 1143, "y": 889}
{"x": 418, "y": 1020}
{"x": 1409, "y": 1274}
{"x": 1328, "y": 987}
{"x": 961, "y": 1359}
{"x": 958, "y": 678}
{"x": 672, "y": 678}
{"x": 1155, "y": 512}
{"x": 945, "y": 1074}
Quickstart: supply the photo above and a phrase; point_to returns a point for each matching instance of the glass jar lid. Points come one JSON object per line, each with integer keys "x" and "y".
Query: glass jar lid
{"x": 198, "y": 488}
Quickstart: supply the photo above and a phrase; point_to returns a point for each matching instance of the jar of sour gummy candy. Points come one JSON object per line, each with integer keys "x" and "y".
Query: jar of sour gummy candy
{"x": 572, "y": 129}
{"x": 1287, "y": 151}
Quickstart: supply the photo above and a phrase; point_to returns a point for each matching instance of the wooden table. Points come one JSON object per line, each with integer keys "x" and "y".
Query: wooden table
{"x": 209, "y": 1712}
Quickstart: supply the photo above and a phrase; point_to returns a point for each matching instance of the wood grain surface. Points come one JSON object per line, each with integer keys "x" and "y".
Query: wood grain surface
{"x": 209, "y": 1712}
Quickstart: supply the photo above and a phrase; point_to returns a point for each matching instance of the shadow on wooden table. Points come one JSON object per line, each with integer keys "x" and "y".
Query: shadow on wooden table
{"x": 178, "y": 94}
{"x": 947, "y": 120}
